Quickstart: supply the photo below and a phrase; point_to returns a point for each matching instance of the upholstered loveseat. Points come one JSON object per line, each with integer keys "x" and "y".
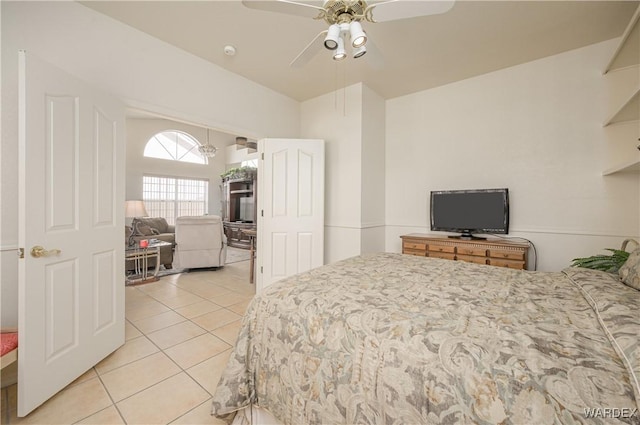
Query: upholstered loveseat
{"x": 155, "y": 228}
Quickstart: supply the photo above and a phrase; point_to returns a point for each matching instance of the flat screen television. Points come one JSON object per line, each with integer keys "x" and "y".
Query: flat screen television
{"x": 469, "y": 212}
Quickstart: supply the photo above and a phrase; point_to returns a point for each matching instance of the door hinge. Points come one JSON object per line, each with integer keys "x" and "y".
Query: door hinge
{"x": 261, "y": 269}
{"x": 20, "y": 252}
{"x": 262, "y": 156}
{"x": 262, "y": 213}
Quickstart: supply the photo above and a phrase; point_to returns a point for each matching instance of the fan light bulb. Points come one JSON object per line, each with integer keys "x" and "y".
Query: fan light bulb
{"x": 333, "y": 35}
{"x": 359, "y": 51}
{"x": 340, "y": 52}
{"x": 358, "y": 36}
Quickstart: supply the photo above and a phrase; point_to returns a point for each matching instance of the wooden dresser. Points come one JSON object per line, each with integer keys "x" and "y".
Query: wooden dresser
{"x": 494, "y": 252}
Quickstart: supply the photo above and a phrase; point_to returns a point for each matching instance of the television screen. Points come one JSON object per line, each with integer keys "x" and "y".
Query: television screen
{"x": 470, "y": 211}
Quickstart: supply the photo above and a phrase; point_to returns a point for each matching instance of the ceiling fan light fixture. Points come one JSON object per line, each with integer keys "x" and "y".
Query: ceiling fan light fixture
{"x": 340, "y": 53}
{"x": 359, "y": 51}
{"x": 358, "y": 36}
{"x": 333, "y": 35}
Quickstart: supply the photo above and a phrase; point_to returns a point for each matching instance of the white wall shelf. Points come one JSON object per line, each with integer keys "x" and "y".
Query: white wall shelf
{"x": 628, "y": 112}
{"x": 626, "y": 56}
{"x": 628, "y": 167}
{"x": 628, "y": 51}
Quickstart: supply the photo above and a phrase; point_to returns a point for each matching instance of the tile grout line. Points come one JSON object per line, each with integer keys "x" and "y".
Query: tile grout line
{"x": 199, "y": 296}
{"x": 161, "y": 350}
{"x": 181, "y": 369}
{"x": 244, "y": 296}
{"x": 113, "y": 402}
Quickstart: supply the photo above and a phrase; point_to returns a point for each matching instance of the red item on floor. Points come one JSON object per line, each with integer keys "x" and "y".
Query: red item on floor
{"x": 8, "y": 342}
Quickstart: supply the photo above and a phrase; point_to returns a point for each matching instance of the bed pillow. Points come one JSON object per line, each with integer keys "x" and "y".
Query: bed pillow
{"x": 630, "y": 270}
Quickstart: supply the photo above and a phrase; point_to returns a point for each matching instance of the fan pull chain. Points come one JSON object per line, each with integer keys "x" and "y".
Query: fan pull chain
{"x": 344, "y": 90}
{"x": 335, "y": 84}
{"x": 340, "y": 85}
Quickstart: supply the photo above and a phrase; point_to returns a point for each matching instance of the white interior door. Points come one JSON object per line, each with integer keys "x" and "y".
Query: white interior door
{"x": 71, "y": 293}
{"x": 290, "y": 208}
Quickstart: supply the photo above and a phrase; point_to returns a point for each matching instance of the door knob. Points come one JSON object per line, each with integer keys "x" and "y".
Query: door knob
{"x": 38, "y": 251}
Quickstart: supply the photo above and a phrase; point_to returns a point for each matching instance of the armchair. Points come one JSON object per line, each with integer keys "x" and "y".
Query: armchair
{"x": 200, "y": 242}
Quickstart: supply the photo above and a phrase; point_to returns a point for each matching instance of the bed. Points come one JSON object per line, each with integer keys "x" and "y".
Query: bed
{"x": 398, "y": 339}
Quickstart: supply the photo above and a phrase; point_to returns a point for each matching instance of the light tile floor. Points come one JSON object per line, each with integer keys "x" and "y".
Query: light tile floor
{"x": 179, "y": 334}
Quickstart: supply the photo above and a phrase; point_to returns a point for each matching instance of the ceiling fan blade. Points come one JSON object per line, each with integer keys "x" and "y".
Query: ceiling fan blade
{"x": 373, "y": 57}
{"x": 310, "y": 51}
{"x": 307, "y": 9}
{"x": 392, "y": 10}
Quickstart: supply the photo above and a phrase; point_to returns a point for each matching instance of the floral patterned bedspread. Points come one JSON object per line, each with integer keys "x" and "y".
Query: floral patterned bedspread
{"x": 392, "y": 338}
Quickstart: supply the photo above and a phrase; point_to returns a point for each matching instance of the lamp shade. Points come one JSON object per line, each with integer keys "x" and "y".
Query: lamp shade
{"x": 135, "y": 209}
{"x": 340, "y": 53}
{"x": 358, "y": 37}
{"x": 359, "y": 51}
{"x": 331, "y": 40}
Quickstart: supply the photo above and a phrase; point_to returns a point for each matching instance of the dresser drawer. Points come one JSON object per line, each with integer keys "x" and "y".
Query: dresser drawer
{"x": 472, "y": 259}
{"x": 407, "y": 245}
{"x": 511, "y": 264}
{"x": 418, "y": 252}
{"x": 465, "y": 250}
{"x": 441, "y": 248}
{"x": 446, "y": 255}
{"x": 506, "y": 255}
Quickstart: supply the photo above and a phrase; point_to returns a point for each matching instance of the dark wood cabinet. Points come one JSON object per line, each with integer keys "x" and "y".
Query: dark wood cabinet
{"x": 239, "y": 208}
{"x": 236, "y": 237}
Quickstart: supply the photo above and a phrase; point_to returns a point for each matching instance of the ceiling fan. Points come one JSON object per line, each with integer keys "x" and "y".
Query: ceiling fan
{"x": 344, "y": 18}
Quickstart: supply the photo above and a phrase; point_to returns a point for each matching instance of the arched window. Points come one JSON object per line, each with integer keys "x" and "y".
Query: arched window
{"x": 175, "y": 146}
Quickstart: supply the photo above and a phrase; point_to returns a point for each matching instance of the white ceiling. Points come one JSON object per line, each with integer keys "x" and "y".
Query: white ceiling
{"x": 473, "y": 38}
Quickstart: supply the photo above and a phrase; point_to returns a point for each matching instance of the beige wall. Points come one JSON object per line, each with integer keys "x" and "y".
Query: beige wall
{"x": 336, "y": 117}
{"x": 139, "y": 131}
{"x": 373, "y": 172}
{"x": 536, "y": 129}
{"x": 351, "y": 121}
{"x": 145, "y": 73}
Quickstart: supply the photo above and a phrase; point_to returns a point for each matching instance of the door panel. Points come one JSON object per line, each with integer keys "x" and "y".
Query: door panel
{"x": 61, "y": 289}
{"x": 105, "y": 148}
{"x": 305, "y": 250}
{"x": 61, "y": 153}
{"x": 71, "y": 194}
{"x": 105, "y": 300}
{"x": 305, "y": 184}
{"x": 278, "y": 266}
{"x": 279, "y": 165}
{"x": 291, "y": 208}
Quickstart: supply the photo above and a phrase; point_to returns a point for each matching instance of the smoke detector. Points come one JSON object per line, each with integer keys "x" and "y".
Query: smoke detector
{"x": 229, "y": 50}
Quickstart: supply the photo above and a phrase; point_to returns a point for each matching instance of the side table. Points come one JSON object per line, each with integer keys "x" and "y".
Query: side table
{"x": 141, "y": 257}
{"x": 251, "y": 234}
